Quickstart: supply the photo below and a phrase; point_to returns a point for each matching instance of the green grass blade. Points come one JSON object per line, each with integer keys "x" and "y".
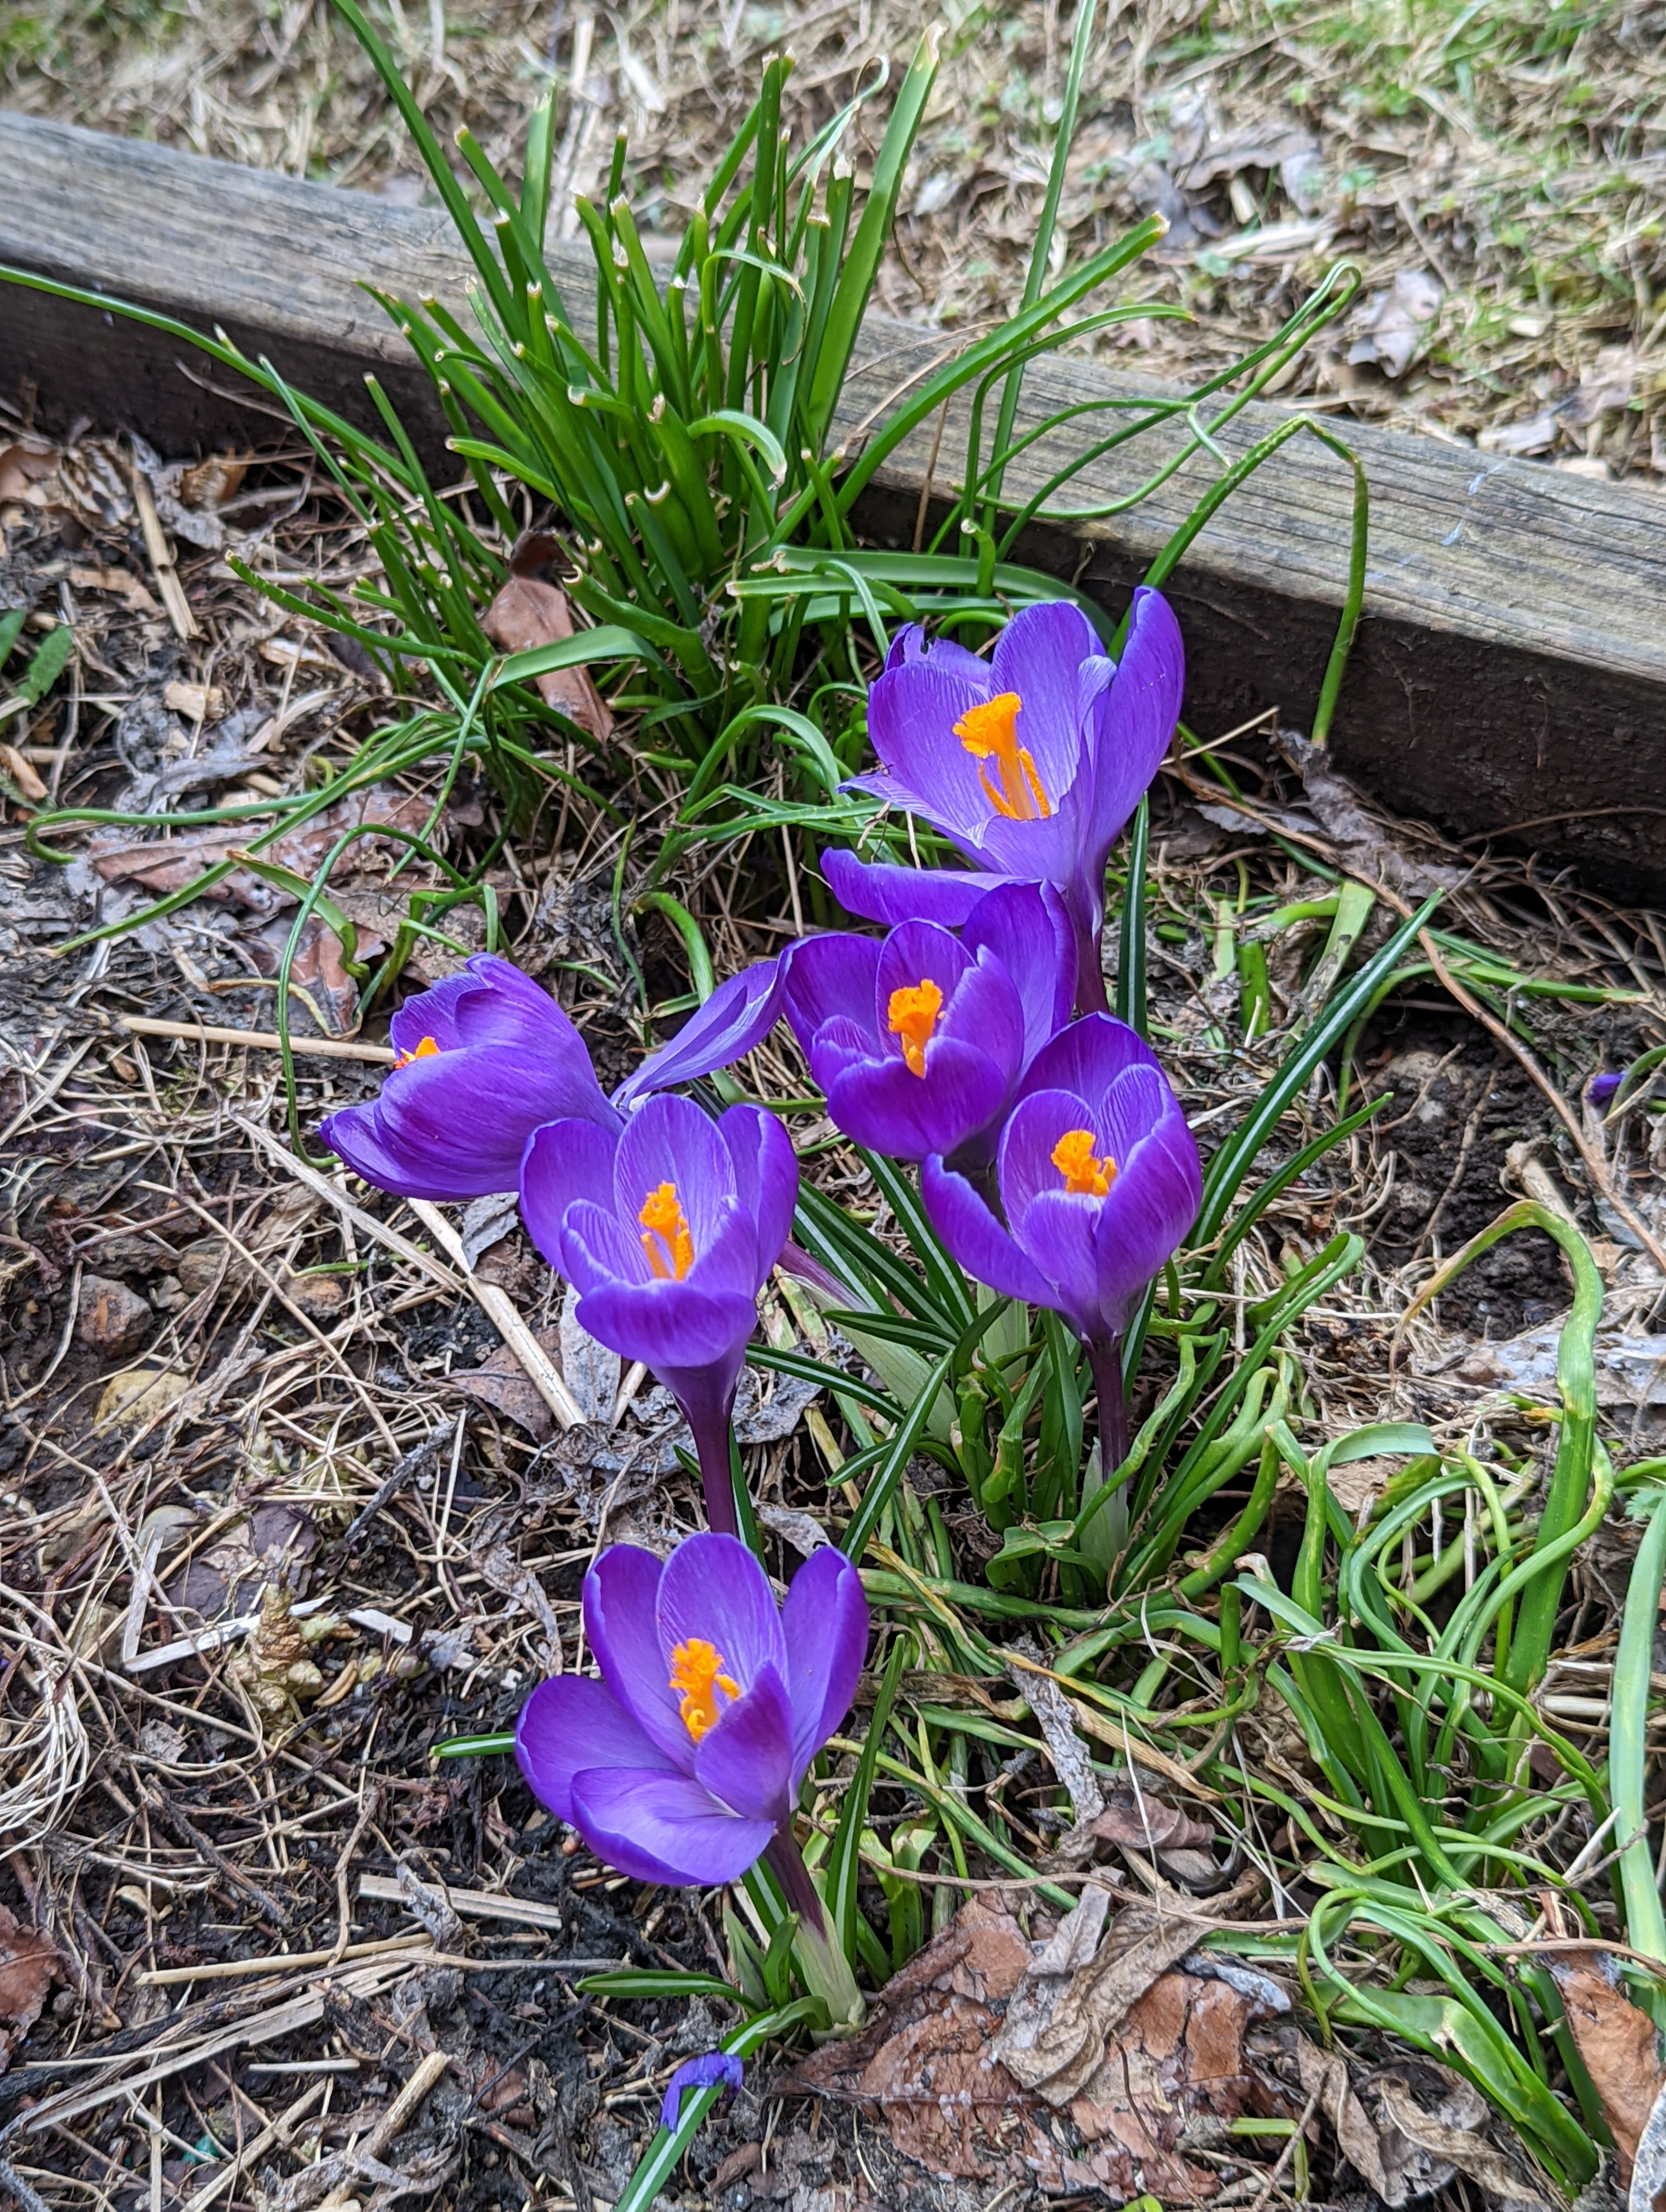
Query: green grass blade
{"x": 1131, "y": 955}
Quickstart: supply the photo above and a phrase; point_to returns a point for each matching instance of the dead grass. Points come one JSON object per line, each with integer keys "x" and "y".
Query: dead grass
{"x": 1498, "y": 172}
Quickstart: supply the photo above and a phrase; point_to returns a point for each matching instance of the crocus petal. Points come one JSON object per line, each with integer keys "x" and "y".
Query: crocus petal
{"x": 924, "y": 768}
{"x": 669, "y": 1325}
{"x": 573, "y": 1722}
{"x": 1137, "y": 1102}
{"x": 1027, "y": 929}
{"x": 1058, "y": 1234}
{"x": 620, "y": 1598}
{"x": 884, "y": 1105}
{"x": 831, "y": 978}
{"x": 702, "y": 2073}
{"x": 593, "y": 1249}
{"x": 712, "y": 1588}
{"x": 1151, "y": 1207}
{"x": 910, "y": 645}
{"x": 1088, "y": 1056}
{"x": 565, "y": 1163}
{"x": 824, "y": 1622}
{"x": 1602, "y": 1088}
{"x": 1038, "y": 655}
{"x": 739, "y": 1014}
{"x": 746, "y": 1759}
{"x": 975, "y": 1238}
{"x": 1133, "y": 721}
{"x": 915, "y": 952}
{"x": 766, "y": 1173}
{"x": 1027, "y": 1143}
{"x": 664, "y": 1828}
{"x": 453, "y": 1125}
{"x": 879, "y": 890}
{"x": 669, "y": 1139}
{"x": 433, "y": 1013}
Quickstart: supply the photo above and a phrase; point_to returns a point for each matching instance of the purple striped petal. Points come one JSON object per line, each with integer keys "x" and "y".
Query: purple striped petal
{"x": 747, "y": 1760}
{"x": 831, "y": 978}
{"x": 621, "y": 1621}
{"x": 766, "y": 1172}
{"x": 1027, "y": 929}
{"x": 975, "y": 1238}
{"x": 739, "y": 1014}
{"x": 664, "y": 1828}
{"x": 825, "y": 1623}
{"x": 573, "y": 1722}
{"x": 702, "y": 2073}
{"x": 879, "y": 890}
{"x": 712, "y": 1588}
{"x": 565, "y": 1164}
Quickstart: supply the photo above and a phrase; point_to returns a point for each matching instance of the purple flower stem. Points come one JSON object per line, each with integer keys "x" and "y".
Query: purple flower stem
{"x": 710, "y": 1430}
{"x": 821, "y": 1958}
{"x": 1089, "y": 976}
{"x": 1104, "y": 1361}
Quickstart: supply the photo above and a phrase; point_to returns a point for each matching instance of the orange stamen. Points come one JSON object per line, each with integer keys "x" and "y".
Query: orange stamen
{"x": 1085, "y": 1174}
{"x": 666, "y": 1235}
{"x": 989, "y": 732}
{"x": 428, "y": 1049}
{"x": 912, "y": 1014}
{"x": 696, "y": 1674}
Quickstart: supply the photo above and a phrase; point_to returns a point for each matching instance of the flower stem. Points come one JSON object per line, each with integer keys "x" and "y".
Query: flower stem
{"x": 1105, "y": 1359}
{"x": 710, "y": 1430}
{"x": 821, "y": 1958}
{"x": 1089, "y": 976}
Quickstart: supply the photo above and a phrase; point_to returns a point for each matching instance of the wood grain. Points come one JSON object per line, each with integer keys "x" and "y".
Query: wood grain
{"x": 1511, "y": 673}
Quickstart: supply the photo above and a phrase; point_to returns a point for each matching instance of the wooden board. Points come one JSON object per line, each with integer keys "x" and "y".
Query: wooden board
{"x": 1509, "y": 677}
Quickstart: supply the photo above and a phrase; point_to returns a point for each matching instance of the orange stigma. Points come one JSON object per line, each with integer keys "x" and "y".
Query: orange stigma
{"x": 428, "y": 1049}
{"x": 990, "y": 732}
{"x": 1084, "y": 1175}
{"x": 912, "y": 1015}
{"x": 666, "y": 1237}
{"x": 696, "y": 1674}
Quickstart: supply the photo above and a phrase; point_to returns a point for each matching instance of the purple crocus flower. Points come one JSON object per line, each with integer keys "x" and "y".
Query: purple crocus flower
{"x": 1601, "y": 1089}
{"x": 702, "y": 2073}
{"x": 1031, "y": 762}
{"x": 1099, "y": 1182}
{"x": 667, "y": 1228}
{"x": 682, "y": 1765}
{"x": 484, "y": 1057}
{"x": 919, "y": 1040}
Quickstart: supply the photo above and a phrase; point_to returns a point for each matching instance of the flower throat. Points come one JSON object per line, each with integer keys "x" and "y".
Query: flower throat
{"x": 666, "y": 1237}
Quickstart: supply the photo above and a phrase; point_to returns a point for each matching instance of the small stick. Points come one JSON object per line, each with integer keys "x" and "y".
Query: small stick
{"x": 225, "y": 1970}
{"x": 415, "y": 1462}
{"x": 279, "y": 2131}
{"x": 173, "y": 590}
{"x": 500, "y": 1309}
{"x": 262, "y": 1040}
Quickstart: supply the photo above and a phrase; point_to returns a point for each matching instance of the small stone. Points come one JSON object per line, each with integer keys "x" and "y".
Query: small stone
{"x": 109, "y": 1317}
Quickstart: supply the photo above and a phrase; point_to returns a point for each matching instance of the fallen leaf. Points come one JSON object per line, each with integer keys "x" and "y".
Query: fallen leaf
{"x": 119, "y": 581}
{"x": 197, "y": 702}
{"x": 272, "y": 1546}
{"x": 161, "y": 867}
{"x": 1259, "y": 147}
{"x": 983, "y": 2042}
{"x": 1391, "y": 325}
{"x": 22, "y": 773}
{"x": 211, "y": 483}
{"x": 22, "y": 467}
{"x": 1620, "y": 2047}
{"x": 501, "y": 1383}
{"x": 528, "y": 611}
{"x": 589, "y": 1370}
{"x": 137, "y": 1395}
{"x": 28, "y": 1966}
{"x": 1148, "y": 1825}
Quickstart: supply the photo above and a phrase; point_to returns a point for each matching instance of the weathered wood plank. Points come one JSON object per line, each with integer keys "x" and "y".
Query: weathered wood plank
{"x": 1512, "y": 670}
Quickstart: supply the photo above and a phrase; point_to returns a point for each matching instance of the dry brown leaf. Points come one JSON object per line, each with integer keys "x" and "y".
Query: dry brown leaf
{"x": 211, "y": 483}
{"x": 22, "y": 467}
{"x": 28, "y": 1966}
{"x": 1621, "y": 2050}
{"x": 527, "y": 612}
{"x": 965, "y": 2089}
{"x": 22, "y": 773}
{"x": 1147, "y": 1824}
{"x": 122, "y": 582}
{"x": 503, "y": 1383}
{"x": 167, "y": 866}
